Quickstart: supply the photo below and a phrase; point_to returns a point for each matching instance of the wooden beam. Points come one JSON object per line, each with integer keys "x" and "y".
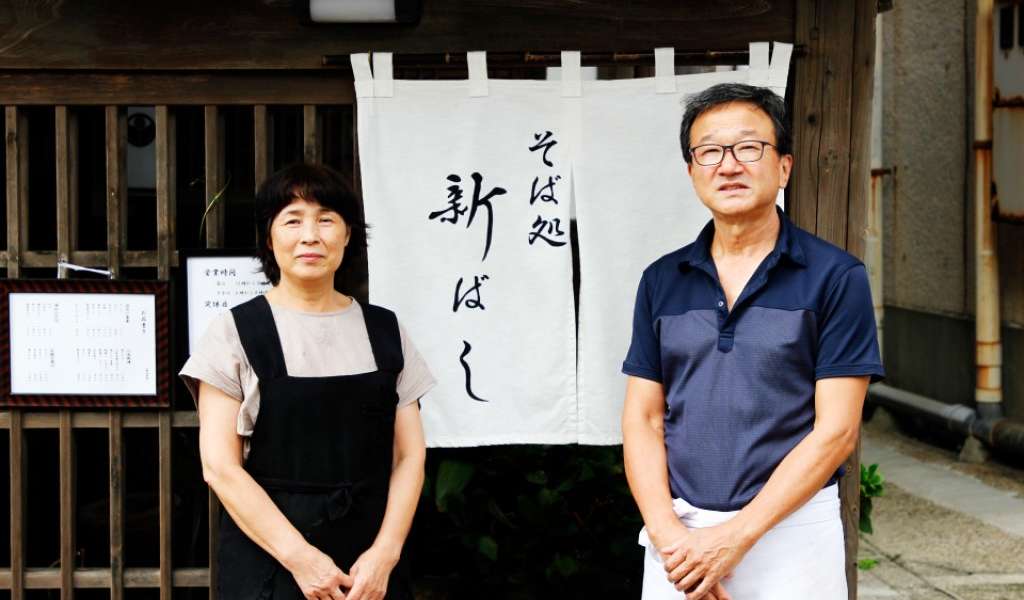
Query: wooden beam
{"x": 243, "y": 88}
{"x": 213, "y": 148}
{"x": 67, "y": 505}
{"x": 241, "y": 34}
{"x": 115, "y": 422}
{"x": 117, "y": 186}
{"x": 17, "y": 456}
{"x": 166, "y": 175}
{"x": 16, "y": 148}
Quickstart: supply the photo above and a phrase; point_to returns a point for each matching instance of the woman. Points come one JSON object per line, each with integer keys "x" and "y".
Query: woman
{"x": 309, "y": 427}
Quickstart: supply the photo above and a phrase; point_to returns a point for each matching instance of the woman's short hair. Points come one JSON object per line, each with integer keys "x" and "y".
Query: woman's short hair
{"x": 726, "y": 93}
{"x": 313, "y": 183}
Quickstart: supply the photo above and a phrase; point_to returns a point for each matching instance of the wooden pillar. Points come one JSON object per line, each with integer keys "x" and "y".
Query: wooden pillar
{"x": 115, "y": 439}
{"x": 66, "y": 144}
{"x": 312, "y": 150}
{"x": 67, "y": 505}
{"x": 117, "y": 187}
{"x": 166, "y": 175}
{"x": 832, "y": 130}
{"x": 17, "y": 466}
{"x": 213, "y": 145}
{"x": 262, "y": 144}
{"x": 16, "y": 143}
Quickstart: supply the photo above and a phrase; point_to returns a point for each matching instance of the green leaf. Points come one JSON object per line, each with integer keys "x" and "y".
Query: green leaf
{"x": 213, "y": 202}
{"x": 872, "y": 483}
{"x": 866, "y": 564}
{"x": 547, "y": 497}
{"x": 537, "y": 477}
{"x": 499, "y": 515}
{"x": 488, "y": 547}
{"x": 529, "y": 510}
{"x": 566, "y": 566}
{"x": 865, "y": 516}
{"x": 452, "y": 477}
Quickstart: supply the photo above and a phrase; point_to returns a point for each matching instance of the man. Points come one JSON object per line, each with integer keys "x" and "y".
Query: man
{"x": 751, "y": 355}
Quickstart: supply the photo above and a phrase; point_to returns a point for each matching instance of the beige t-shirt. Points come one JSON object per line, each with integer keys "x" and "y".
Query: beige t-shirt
{"x": 314, "y": 345}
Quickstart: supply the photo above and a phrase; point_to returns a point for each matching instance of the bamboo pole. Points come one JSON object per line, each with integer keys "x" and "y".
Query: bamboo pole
{"x": 988, "y": 347}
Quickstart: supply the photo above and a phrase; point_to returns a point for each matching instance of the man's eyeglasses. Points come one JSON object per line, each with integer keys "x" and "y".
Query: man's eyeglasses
{"x": 747, "y": 151}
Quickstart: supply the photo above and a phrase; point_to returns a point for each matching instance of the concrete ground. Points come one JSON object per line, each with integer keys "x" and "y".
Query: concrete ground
{"x": 944, "y": 529}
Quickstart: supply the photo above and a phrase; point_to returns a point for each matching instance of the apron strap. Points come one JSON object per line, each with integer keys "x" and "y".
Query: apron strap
{"x": 258, "y": 334}
{"x": 385, "y": 338}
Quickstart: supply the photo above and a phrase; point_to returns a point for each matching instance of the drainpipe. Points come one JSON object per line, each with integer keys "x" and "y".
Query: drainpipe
{"x": 873, "y": 257}
{"x": 988, "y": 391}
{"x": 1000, "y": 433}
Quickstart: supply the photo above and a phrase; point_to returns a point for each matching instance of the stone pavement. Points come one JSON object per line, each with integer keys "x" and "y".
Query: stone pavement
{"x": 944, "y": 529}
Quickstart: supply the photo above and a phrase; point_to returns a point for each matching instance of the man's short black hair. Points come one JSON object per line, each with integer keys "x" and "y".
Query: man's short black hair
{"x": 726, "y": 93}
{"x": 313, "y": 183}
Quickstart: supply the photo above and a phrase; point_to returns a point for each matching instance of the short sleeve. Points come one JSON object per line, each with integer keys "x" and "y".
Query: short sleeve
{"x": 847, "y": 338}
{"x": 218, "y": 360}
{"x": 644, "y": 356}
{"x": 415, "y": 380}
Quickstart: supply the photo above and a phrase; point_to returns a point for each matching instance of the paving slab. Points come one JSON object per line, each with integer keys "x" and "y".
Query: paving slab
{"x": 940, "y": 532}
{"x": 947, "y": 487}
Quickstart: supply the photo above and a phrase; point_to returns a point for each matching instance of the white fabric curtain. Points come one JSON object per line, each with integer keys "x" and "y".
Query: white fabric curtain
{"x": 499, "y": 330}
{"x": 494, "y": 321}
{"x": 635, "y": 203}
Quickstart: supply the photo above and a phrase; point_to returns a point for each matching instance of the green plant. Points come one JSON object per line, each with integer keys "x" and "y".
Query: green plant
{"x": 872, "y": 485}
{"x": 509, "y": 521}
{"x": 213, "y": 202}
{"x": 866, "y": 564}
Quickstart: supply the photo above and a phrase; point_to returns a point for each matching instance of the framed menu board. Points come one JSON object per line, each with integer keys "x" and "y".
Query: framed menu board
{"x": 84, "y": 343}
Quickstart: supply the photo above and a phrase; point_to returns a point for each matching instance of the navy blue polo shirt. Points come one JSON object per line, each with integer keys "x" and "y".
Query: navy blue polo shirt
{"x": 739, "y": 385}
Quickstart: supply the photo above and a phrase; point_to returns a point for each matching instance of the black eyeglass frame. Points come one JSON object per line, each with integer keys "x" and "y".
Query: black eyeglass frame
{"x": 729, "y": 149}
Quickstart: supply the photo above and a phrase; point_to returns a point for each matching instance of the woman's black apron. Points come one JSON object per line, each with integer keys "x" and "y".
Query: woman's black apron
{"x": 322, "y": 449}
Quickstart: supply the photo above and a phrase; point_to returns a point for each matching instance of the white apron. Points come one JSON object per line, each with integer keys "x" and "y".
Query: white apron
{"x": 801, "y": 557}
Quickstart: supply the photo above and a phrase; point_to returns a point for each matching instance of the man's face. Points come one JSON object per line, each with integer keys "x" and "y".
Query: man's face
{"x": 732, "y": 188}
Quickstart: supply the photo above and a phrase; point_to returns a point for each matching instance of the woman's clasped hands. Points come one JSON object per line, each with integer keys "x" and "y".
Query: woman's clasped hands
{"x": 318, "y": 577}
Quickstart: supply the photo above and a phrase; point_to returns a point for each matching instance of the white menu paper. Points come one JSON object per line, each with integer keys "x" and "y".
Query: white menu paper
{"x": 83, "y": 344}
{"x": 217, "y": 284}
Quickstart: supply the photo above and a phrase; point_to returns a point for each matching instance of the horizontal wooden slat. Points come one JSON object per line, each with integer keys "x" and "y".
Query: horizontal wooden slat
{"x": 228, "y": 88}
{"x": 93, "y": 258}
{"x": 99, "y": 420}
{"x": 42, "y": 579}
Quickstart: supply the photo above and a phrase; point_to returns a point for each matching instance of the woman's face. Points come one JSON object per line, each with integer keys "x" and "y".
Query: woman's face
{"x": 308, "y": 241}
